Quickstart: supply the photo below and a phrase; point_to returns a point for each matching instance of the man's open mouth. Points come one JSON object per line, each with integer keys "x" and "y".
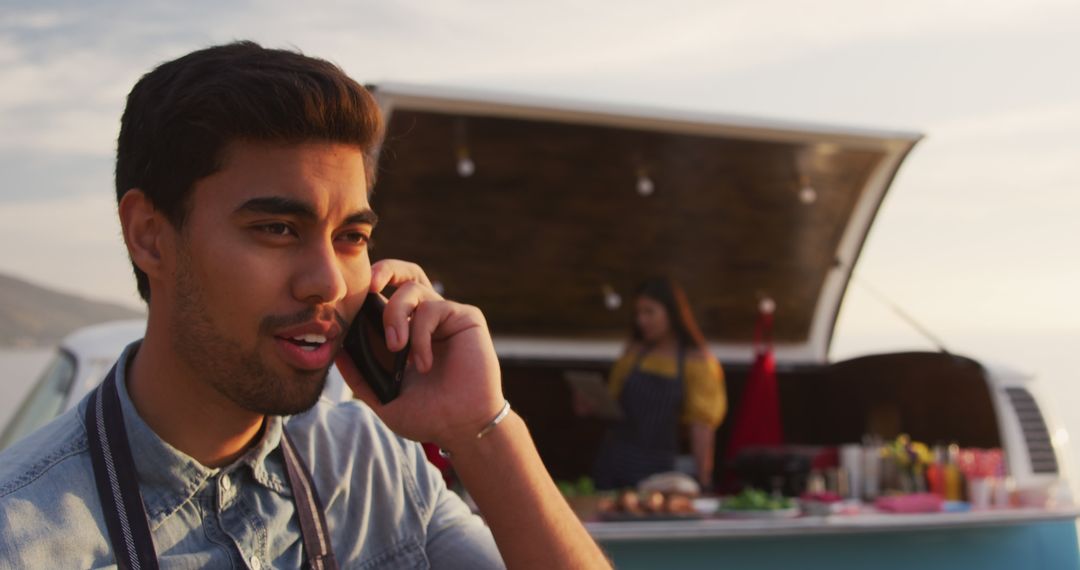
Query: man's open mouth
{"x": 308, "y": 342}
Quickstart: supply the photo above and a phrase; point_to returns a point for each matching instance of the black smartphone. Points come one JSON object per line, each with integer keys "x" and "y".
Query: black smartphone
{"x": 365, "y": 343}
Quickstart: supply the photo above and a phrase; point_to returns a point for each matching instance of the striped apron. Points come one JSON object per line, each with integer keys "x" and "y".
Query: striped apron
{"x": 646, "y": 440}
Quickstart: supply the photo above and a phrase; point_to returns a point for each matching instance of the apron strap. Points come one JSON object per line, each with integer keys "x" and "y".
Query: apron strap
{"x": 641, "y": 354}
{"x": 680, "y": 358}
{"x": 308, "y": 506}
{"x": 121, "y": 501}
{"x": 117, "y": 481}
{"x": 682, "y": 363}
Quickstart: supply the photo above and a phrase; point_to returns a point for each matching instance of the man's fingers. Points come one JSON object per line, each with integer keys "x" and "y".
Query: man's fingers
{"x": 396, "y": 272}
{"x": 438, "y": 321}
{"x": 425, "y": 322}
{"x": 399, "y": 310}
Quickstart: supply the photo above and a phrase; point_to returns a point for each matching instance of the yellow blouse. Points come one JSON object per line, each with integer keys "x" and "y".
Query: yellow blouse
{"x": 705, "y": 399}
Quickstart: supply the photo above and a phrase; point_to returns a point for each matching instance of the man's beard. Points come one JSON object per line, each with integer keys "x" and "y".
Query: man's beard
{"x": 238, "y": 374}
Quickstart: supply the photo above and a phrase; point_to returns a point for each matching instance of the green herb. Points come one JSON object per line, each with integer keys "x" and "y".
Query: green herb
{"x": 757, "y": 500}
{"x": 583, "y": 487}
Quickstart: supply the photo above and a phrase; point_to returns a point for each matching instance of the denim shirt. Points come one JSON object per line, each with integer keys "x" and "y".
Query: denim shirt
{"x": 385, "y": 505}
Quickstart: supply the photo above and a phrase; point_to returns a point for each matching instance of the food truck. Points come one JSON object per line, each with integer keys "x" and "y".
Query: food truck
{"x": 547, "y": 214}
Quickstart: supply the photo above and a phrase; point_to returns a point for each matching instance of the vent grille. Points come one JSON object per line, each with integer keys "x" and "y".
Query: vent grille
{"x": 1037, "y": 437}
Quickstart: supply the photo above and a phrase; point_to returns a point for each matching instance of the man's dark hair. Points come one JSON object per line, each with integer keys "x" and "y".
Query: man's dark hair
{"x": 181, "y": 116}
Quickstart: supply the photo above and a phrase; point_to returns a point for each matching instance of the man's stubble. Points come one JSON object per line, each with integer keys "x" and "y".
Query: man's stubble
{"x": 236, "y": 372}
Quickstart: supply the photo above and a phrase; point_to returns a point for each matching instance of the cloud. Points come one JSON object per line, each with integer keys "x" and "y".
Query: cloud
{"x": 34, "y": 18}
{"x": 68, "y": 57}
{"x": 71, "y": 243}
{"x": 32, "y": 175}
{"x": 985, "y": 81}
{"x": 566, "y": 39}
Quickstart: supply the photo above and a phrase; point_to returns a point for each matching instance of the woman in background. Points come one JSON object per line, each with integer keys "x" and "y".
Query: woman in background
{"x": 665, "y": 377}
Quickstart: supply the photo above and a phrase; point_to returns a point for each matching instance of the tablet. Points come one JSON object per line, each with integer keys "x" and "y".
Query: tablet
{"x": 590, "y": 386}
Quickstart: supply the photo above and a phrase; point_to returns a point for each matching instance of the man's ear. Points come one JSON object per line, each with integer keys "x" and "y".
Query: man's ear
{"x": 145, "y": 231}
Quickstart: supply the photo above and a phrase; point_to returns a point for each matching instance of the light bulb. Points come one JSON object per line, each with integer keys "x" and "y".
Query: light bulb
{"x": 612, "y": 299}
{"x": 465, "y": 166}
{"x": 645, "y": 186}
{"x": 807, "y": 194}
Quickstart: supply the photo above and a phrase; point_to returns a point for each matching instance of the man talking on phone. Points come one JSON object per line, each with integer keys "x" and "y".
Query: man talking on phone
{"x": 242, "y": 179}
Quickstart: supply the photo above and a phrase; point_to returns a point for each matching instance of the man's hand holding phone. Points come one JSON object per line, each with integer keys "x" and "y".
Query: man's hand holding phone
{"x": 451, "y": 387}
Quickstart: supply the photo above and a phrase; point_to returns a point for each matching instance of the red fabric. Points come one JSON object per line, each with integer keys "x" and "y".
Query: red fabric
{"x": 435, "y": 458}
{"x": 757, "y": 419}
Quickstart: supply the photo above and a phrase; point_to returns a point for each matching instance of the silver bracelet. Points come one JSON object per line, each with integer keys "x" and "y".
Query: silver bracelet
{"x": 499, "y": 417}
{"x": 505, "y": 411}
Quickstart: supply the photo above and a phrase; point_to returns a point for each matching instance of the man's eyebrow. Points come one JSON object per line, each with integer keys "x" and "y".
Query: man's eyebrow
{"x": 281, "y": 206}
{"x": 367, "y": 216}
{"x": 277, "y": 205}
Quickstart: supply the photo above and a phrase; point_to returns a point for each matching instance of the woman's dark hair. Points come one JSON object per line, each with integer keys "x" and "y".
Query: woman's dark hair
{"x": 668, "y": 293}
{"x": 181, "y": 117}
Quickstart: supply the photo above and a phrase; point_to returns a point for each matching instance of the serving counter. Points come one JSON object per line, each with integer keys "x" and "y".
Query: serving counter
{"x": 993, "y": 539}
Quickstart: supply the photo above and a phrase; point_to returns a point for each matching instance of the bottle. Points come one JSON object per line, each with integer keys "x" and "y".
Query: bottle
{"x": 851, "y": 464}
{"x": 815, "y": 483}
{"x": 935, "y": 472}
{"x": 954, "y": 483}
{"x": 871, "y": 470}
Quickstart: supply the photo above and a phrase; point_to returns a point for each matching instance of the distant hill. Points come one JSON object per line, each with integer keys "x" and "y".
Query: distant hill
{"x": 31, "y": 315}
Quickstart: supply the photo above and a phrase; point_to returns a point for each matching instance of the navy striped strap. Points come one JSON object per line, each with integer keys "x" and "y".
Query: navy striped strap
{"x": 121, "y": 501}
{"x": 117, "y": 481}
{"x": 308, "y": 506}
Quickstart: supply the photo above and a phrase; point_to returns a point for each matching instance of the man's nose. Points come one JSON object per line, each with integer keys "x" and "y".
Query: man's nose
{"x": 320, "y": 276}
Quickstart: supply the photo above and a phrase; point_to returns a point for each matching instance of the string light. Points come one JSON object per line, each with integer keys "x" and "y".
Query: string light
{"x": 612, "y": 299}
{"x": 645, "y": 186}
{"x": 465, "y": 166}
{"x": 807, "y": 194}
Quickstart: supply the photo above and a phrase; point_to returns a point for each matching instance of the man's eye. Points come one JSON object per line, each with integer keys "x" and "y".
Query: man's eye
{"x": 357, "y": 238}
{"x": 276, "y": 228}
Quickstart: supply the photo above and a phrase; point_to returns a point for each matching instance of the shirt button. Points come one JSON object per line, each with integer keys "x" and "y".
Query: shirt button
{"x": 226, "y": 484}
{"x": 255, "y": 564}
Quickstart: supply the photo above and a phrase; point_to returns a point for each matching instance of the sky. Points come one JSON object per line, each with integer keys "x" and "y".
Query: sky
{"x": 976, "y": 239}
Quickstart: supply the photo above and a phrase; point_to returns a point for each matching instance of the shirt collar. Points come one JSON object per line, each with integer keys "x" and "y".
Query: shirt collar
{"x": 168, "y": 477}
